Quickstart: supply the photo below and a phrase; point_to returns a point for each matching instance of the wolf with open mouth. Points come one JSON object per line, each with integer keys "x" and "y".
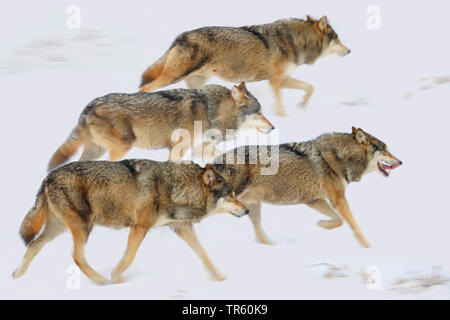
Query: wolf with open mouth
{"x": 314, "y": 173}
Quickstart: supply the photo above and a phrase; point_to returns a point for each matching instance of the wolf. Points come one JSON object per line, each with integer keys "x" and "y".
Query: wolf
{"x": 251, "y": 53}
{"x": 314, "y": 173}
{"x": 117, "y": 122}
{"x": 139, "y": 194}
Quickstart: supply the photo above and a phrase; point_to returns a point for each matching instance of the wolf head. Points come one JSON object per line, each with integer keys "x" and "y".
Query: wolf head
{"x": 249, "y": 110}
{"x": 221, "y": 196}
{"x": 379, "y": 158}
{"x": 330, "y": 41}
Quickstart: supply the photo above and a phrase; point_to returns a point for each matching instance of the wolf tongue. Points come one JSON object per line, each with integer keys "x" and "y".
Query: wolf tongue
{"x": 389, "y": 167}
{"x": 395, "y": 165}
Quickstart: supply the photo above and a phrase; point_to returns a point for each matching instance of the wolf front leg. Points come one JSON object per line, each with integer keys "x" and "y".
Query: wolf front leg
{"x": 276, "y": 84}
{"x": 339, "y": 202}
{"x": 180, "y": 144}
{"x": 255, "y": 217}
{"x": 206, "y": 151}
{"x": 292, "y": 83}
{"x": 137, "y": 234}
{"x": 186, "y": 232}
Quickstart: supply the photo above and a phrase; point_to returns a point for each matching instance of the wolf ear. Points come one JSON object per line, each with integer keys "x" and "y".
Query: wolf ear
{"x": 242, "y": 86}
{"x": 238, "y": 95}
{"x": 360, "y": 136}
{"x": 323, "y": 22}
{"x": 209, "y": 175}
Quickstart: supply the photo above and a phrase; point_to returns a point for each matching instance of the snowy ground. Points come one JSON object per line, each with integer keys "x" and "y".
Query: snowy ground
{"x": 394, "y": 85}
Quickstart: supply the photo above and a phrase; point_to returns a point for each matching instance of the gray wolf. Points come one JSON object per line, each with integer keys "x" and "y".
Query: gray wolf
{"x": 117, "y": 122}
{"x": 139, "y": 194}
{"x": 252, "y": 53}
{"x": 314, "y": 173}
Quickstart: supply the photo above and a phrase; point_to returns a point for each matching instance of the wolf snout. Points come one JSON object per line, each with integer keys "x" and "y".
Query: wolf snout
{"x": 240, "y": 212}
{"x": 267, "y": 130}
{"x": 345, "y": 51}
{"x": 267, "y": 126}
{"x": 243, "y": 212}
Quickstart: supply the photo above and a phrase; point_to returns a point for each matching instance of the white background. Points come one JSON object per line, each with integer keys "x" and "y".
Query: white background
{"x": 48, "y": 73}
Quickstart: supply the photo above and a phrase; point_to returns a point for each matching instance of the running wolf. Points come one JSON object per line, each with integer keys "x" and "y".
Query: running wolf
{"x": 140, "y": 194}
{"x": 314, "y": 173}
{"x": 117, "y": 122}
{"x": 252, "y": 53}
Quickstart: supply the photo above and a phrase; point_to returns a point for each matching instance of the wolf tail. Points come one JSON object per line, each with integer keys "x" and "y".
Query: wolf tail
{"x": 33, "y": 221}
{"x": 68, "y": 148}
{"x": 153, "y": 71}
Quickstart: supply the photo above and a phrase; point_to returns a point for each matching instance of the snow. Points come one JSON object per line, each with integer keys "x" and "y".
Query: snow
{"x": 394, "y": 85}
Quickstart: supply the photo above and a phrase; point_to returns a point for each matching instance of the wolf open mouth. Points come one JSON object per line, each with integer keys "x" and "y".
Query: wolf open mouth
{"x": 386, "y": 168}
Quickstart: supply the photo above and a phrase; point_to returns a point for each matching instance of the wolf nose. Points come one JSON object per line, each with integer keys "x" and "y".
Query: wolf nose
{"x": 348, "y": 52}
{"x": 273, "y": 127}
{"x": 247, "y": 211}
{"x": 400, "y": 162}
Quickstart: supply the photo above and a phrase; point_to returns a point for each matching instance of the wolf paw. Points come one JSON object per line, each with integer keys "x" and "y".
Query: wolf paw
{"x": 362, "y": 241}
{"x": 101, "y": 281}
{"x": 264, "y": 240}
{"x": 279, "y": 111}
{"x": 218, "y": 277}
{"x": 329, "y": 224}
{"x": 117, "y": 279}
{"x": 302, "y": 104}
{"x": 17, "y": 274}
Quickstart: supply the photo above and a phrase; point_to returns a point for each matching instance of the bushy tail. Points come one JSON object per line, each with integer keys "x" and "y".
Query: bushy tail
{"x": 153, "y": 71}
{"x": 68, "y": 149}
{"x": 34, "y": 219}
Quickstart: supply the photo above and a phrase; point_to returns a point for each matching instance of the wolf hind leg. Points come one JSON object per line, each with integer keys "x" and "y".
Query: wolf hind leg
{"x": 163, "y": 80}
{"x": 118, "y": 152}
{"x": 186, "y": 232}
{"x": 196, "y": 81}
{"x": 177, "y": 66}
{"x": 255, "y": 218}
{"x": 53, "y": 228}
{"x": 292, "y": 83}
{"x": 80, "y": 233}
{"x": 117, "y": 137}
{"x": 180, "y": 62}
{"x": 324, "y": 207}
{"x": 121, "y": 143}
{"x": 137, "y": 234}
{"x": 92, "y": 151}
